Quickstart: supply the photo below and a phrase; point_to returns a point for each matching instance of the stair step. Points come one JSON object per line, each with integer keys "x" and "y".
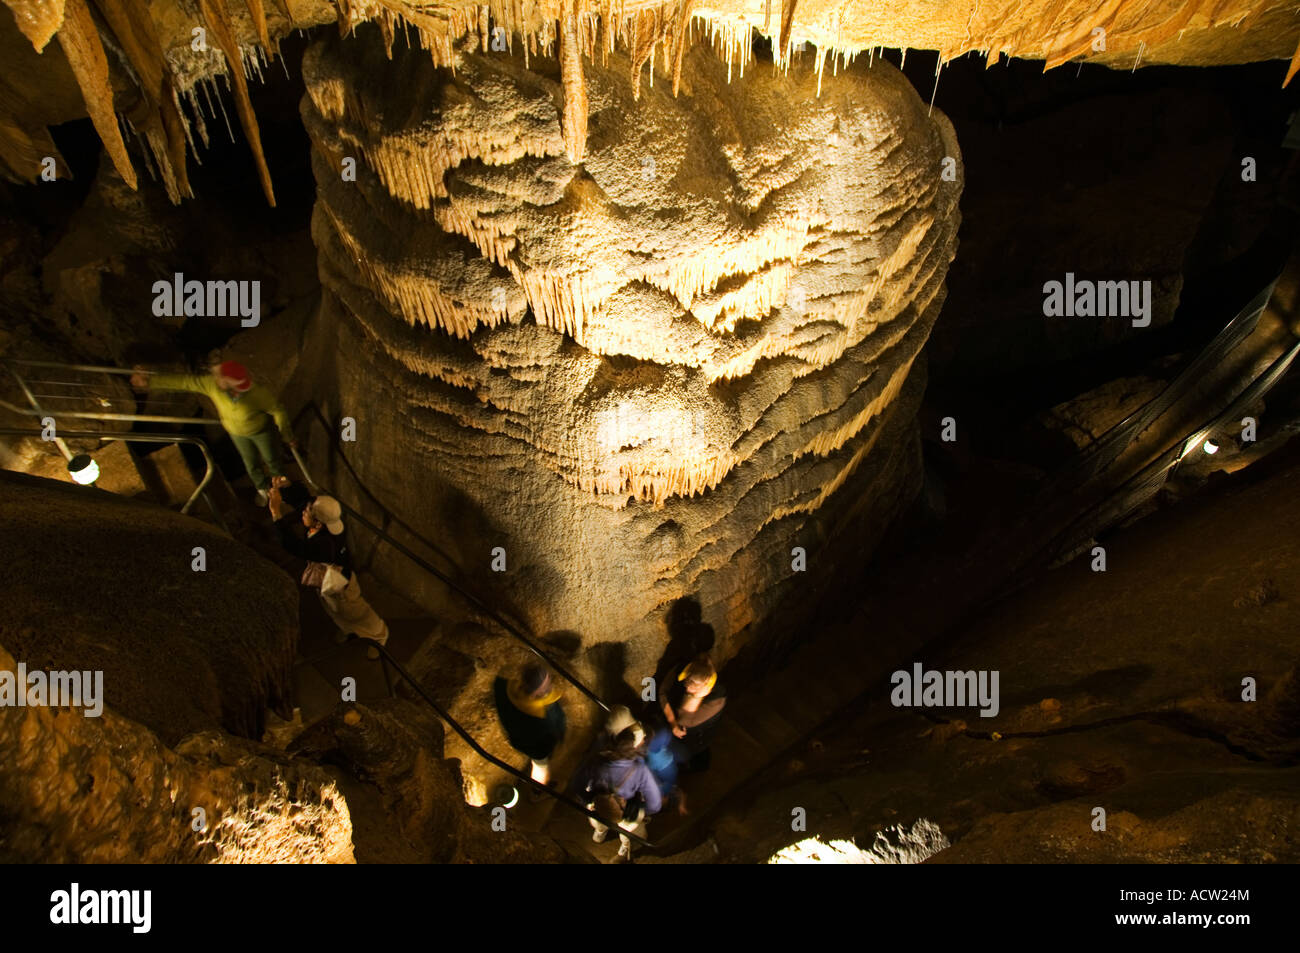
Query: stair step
{"x": 167, "y": 473}
{"x": 119, "y": 470}
{"x": 731, "y": 764}
{"x": 797, "y": 705}
{"x": 769, "y": 728}
{"x": 844, "y": 684}
{"x": 732, "y": 735}
{"x": 803, "y": 709}
{"x": 810, "y": 673}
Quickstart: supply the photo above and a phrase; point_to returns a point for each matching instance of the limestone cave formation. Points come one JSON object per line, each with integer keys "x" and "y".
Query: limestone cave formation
{"x": 876, "y": 414}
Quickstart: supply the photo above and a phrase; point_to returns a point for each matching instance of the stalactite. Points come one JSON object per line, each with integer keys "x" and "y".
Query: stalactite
{"x": 787, "y": 24}
{"x": 159, "y": 122}
{"x": 38, "y": 20}
{"x": 655, "y": 482}
{"x": 221, "y": 105}
{"x": 195, "y": 119}
{"x": 574, "y": 116}
{"x": 81, "y": 44}
{"x": 387, "y": 28}
{"x": 258, "y": 14}
{"x": 828, "y": 441}
{"x": 763, "y": 291}
{"x": 645, "y": 28}
{"x": 217, "y": 16}
{"x": 1058, "y": 33}
{"x": 176, "y": 134}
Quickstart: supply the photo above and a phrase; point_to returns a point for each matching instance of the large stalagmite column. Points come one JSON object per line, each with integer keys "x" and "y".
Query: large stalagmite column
{"x": 643, "y": 375}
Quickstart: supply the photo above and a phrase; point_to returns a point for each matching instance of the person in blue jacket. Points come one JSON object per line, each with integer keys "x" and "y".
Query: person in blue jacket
{"x": 617, "y": 785}
{"x": 662, "y": 760}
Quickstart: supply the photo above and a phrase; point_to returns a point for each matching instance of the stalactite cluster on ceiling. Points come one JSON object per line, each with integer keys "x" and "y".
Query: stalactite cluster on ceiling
{"x": 153, "y": 44}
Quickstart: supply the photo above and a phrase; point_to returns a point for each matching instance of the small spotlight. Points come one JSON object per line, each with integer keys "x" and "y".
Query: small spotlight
{"x": 1210, "y": 447}
{"x": 83, "y": 469}
{"x": 506, "y": 795}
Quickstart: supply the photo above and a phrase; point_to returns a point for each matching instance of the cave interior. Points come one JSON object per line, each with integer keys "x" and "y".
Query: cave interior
{"x": 369, "y": 364}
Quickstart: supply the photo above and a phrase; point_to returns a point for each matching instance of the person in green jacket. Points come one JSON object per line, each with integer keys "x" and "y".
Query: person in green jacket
{"x": 249, "y": 413}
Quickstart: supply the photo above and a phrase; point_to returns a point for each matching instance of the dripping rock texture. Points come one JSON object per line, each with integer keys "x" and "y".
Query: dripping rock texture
{"x": 646, "y": 376}
{"x": 138, "y": 58}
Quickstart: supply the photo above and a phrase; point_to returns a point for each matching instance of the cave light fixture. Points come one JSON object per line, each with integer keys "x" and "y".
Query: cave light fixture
{"x": 83, "y": 469}
{"x": 506, "y": 795}
{"x": 1210, "y": 446}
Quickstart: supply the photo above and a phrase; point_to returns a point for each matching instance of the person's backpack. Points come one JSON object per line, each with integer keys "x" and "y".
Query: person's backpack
{"x": 612, "y": 807}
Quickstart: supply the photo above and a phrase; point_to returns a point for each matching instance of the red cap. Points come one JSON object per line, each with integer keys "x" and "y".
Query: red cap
{"x": 238, "y": 373}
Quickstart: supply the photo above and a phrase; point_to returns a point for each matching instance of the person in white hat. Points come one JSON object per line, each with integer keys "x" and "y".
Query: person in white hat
{"x": 326, "y": 511}
{"x": 329, "y": 564}
{"x": 324, "y": 541}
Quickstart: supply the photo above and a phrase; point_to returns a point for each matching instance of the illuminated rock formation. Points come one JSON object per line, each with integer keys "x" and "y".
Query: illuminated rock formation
{"x": 98, "y": 583}
{"x": 159, "y": 61}
{"x": 106, "y": 790}
{"x": 643, "y": 375}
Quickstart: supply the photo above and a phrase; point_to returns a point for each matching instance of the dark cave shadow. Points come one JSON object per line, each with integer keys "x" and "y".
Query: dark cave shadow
{"x": 688, "y": 636}
{"x": 563, "y": 642}
{"x": 460, "y": 582}
{"x": 1111, "y": 682}
{"x": 609, "y": 659}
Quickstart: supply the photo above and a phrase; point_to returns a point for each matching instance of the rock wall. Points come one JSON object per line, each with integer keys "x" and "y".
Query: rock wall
{"x": 1165, "y": 691}
{"x": 77, "y": 789}
{"x": 397, "y": 747}
{"x": 643, "y": 375}
{"x": 94, "y": 581}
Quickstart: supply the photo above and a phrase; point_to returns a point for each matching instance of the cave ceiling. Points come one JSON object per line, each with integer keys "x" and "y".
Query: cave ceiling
{"x": 131, "y": 64}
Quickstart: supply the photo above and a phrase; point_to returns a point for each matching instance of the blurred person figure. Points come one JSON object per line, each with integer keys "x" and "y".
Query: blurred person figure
{"x": 532, "y": 717}
{"x": 618, "y": 786}
{"x": 248, "y": 411}
{"x": 323, "y": 544}
{"x": 692, "y": 706}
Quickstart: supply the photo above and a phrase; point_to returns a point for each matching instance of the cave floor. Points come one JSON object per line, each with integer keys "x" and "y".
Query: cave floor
{"x": 1119, "y": 689}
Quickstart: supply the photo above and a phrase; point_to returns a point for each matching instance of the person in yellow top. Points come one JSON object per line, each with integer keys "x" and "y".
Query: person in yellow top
{"x": 249, "y": 413}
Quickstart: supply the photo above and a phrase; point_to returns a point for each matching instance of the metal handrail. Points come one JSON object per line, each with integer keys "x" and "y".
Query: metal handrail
{"x": 1253, "y": 392}
{"x": 351, "y": 512}
{"x": 424, "y": 564}
{"x": 397, "y": 667}
{"x": 89, "y": 368}
{"x": 492, "y": 759}
{"x": 1102, "y": 451}
{"x": 428, "y": 567}
{"x": 37, "y": 410}
{"x": 88, "y": 415}
{"x": 131, "y": 437}
{"x": 1150, "y": 478}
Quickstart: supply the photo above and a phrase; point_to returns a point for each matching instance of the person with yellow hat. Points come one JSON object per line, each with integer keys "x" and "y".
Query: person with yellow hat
{"x": 692, "y": 707}
{"x": 532, "y": 717}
